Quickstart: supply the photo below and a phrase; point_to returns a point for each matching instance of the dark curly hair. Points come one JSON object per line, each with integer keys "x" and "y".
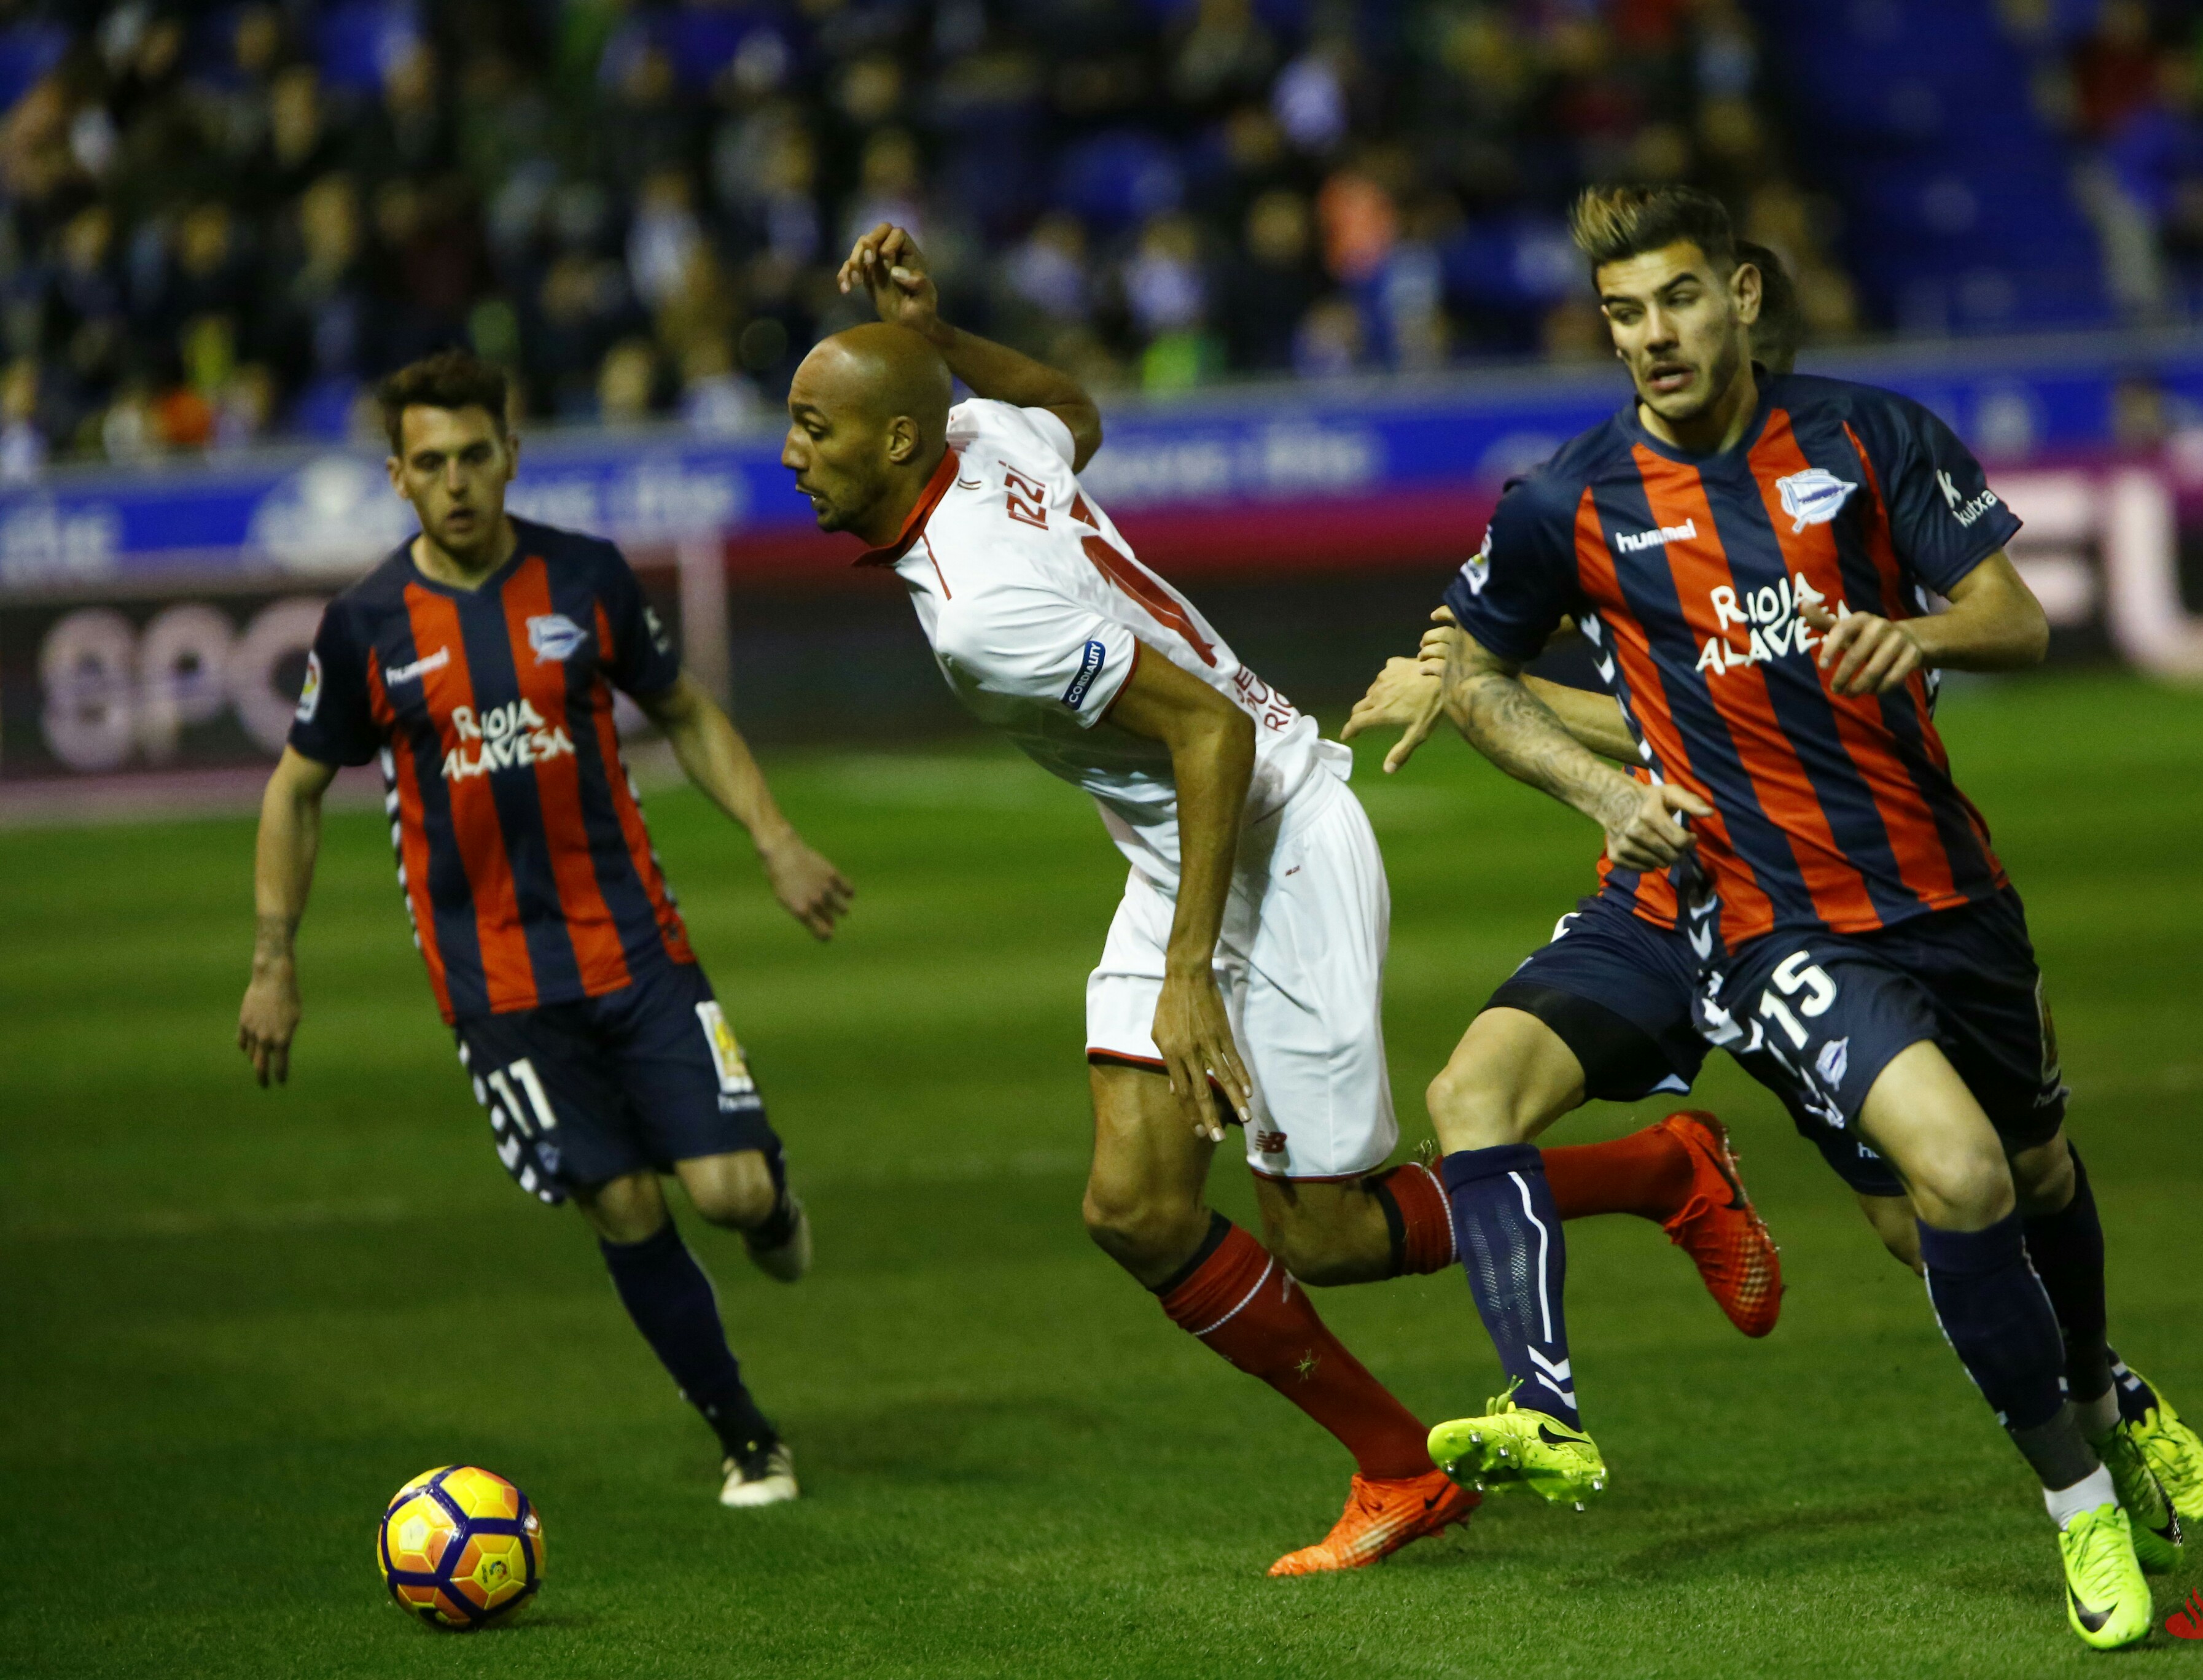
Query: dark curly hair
{"x": 451, "y": 379}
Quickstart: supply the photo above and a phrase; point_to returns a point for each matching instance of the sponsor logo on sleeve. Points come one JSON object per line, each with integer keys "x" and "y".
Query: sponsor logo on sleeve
{"x": 658, "y": 639}
{"x": 1962, "y": 510}
{"x": 310, "y": 696}
{"x": 1092, "y": 658}
{"x": 1477, "y": 571}
{"x": 1813, "y": 497}
{"x": 420, "y": 667}
{"x": 554, "y": 637}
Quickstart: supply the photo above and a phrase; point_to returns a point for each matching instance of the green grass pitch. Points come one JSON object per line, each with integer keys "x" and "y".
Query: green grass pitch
{"x": 235, "y": 1321}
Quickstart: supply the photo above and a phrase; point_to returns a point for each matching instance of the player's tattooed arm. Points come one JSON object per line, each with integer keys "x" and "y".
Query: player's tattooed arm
{"x": 715, "y": 757}
{"x": 1483, "y": 696}
{"x": 887, "y": 263}
{"x": 1994, "y": 623}
{"x": 1409, "y": 697}
{"x": 282, "y": 875}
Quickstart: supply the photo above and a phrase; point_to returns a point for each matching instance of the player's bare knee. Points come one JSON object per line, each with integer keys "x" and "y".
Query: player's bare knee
{"x": 737, "y": 1193}
{"x": 2043, "y": 1176}
{"x": 1964, "y": 1190}
{"x": 1140, "y": 1232}
{"x": 1471, "y": 1110}
{"x": 627, "y": 1209}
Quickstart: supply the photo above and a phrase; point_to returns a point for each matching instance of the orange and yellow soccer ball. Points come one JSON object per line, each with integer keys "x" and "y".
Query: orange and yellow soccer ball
{"x": 459, "y": 1547}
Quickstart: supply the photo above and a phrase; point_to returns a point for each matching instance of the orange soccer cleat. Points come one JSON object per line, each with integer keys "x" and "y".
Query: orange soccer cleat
{"x": 1721, "y": 1231}
{"x": 1380, "y": 1517}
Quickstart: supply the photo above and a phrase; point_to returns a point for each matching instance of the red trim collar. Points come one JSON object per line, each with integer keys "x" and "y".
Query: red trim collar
{"x": 913, "y": 526}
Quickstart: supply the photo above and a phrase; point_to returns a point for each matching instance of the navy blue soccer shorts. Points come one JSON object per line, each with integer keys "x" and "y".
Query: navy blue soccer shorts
{"x": 638, "y": 1079}
{"x": 1815, "y": 1016}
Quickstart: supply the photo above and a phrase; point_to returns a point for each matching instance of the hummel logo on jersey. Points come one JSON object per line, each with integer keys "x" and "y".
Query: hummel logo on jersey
{"x": 1813, "y": 497}
{"x": 504, "y": 737}
{"x": 1629, "y": 542}
{"x": 1966, "y": 512}
{"x": 554, "y": 637}
{"x": 420, "y": 667}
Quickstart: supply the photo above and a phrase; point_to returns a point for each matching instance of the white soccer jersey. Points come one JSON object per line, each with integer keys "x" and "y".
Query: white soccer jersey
{"x": 1036, "y": 611}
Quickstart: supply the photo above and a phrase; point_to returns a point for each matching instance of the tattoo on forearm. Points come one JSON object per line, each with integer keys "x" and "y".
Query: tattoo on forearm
{"x": 1523, "y": 736}
{"x": 271, "y": 937}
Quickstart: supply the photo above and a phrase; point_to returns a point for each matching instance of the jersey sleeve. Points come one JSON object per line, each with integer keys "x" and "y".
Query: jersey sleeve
{"x": 640, "y": 660}
{"x": 971, "y": 420}
{"x": 1514, "y": 593}
{"x": 334, "y": 723}
{"x": 1944, "y": 518}
{"x": 1031, "y": 644}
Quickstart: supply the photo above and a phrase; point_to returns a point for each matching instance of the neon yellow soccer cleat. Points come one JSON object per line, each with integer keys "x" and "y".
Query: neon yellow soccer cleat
{"x": 2150, "y": 1514}
{"x": 2106, "y": 1600}
{"x": 2172, "y": 1450}
{"x": 1509, "y": 1446}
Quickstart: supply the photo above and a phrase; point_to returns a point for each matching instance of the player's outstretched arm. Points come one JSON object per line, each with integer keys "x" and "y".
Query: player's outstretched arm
{"x": 282, "y": 875}
{"x": 715, "y": 757}
{"x": 887, "y": 263}
{"x": 1484, "y": 697}
{"x": 1409, "y": 696}
{"x": 1994, "y": 624}
{"x": 1211, "y": 748}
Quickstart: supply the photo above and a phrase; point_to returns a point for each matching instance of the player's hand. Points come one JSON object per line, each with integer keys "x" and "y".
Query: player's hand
{"x": 1871, "y": 654}
{"x": 1641, "y": 829}
{"x": 1194, "y": 1033}
{"x": 268, "y": 1020}
{"x": 811, "y": 889}
{"x": 1409, "y": 695}
{"x": 887, "y": 263}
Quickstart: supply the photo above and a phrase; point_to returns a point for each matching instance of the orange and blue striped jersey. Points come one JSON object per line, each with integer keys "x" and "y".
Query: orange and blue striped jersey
{"x": 527, "y": 869}
{"x": 1687, "y": 573}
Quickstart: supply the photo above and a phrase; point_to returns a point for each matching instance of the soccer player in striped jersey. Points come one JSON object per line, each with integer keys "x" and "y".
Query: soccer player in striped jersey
{"x": 478, "y": 663}
{"x": 1247, "y": 956}
{"x": 1790, "y": 872}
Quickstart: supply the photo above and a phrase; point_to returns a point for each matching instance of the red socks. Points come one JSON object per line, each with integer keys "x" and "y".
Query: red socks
{"x": 1247, "y": 1307}
{"x": 1648, "y": 1173}
{"x": 1421, "y": 1222}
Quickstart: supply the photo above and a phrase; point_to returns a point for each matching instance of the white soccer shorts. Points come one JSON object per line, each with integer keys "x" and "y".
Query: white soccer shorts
{"x": 1301, "y": 964}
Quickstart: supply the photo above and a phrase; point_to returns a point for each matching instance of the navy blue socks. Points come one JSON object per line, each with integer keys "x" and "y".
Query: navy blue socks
{"x": 2067, "y": 1247}
{"x": 670, "y": 1299}
{"x": 1510, "y": 1234}
{"x": 1998, "y": 1320}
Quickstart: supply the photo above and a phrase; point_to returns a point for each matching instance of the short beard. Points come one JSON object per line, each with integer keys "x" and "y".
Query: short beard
{"x": 1719, "y": 377}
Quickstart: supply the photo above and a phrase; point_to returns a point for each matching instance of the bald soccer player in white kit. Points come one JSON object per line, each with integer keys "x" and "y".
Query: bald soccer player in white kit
{"x": 1255, "y": 913}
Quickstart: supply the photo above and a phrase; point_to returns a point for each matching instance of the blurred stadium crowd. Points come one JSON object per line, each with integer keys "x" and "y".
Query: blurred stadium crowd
{"x": 222, "y": 219}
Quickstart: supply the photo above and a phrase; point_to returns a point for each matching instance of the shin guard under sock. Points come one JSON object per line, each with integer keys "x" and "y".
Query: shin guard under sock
{"x": 2067, "y": 1249}
{"x": 1417, "y": 1218}
{"x": 1648, "y": 1174}
{"x": 1235, "y": 1297}
{"x": 670, "y": 1299}
{"x": 1998, "y": 1320}
{"x": 1512, "y": 1250}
